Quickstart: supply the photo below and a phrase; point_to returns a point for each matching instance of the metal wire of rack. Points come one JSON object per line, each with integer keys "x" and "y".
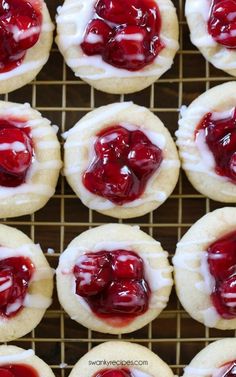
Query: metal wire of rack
{"x": 62, "y": 98}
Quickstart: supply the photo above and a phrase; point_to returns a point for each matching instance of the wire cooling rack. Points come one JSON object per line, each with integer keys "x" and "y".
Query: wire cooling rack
{"x": 62, "y": 98}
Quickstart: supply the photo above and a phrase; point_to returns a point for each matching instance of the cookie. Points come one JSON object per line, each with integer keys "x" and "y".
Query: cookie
{"x": 121, "y": 359}
{"x": 205, "y": 263}
{"x": 26, "y": 282}
{"x": 115, "y": 46}
{"x": 217, "y": 359}
{"x": 26, "y": 34}
{"x": 29, "y": 159}
{"x": 212, "y": 31}
{"x": 15, "y": 362}
{"x": 114, "y": 279}
{"x": 121, "y": 161}
{"x": 207, "y": 143}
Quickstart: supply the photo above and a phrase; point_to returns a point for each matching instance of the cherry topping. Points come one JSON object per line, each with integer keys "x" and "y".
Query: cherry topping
{"x": 126, "y": 35}
{"x": 112, "y": 283}
{"x": 15, "y": 275}
{"x": 114, "y": 373}
{"x": 92, "y": 273}
{"x": 16, "y": 152}
{"x": 20, "y": 27}
{"x": 222, "y": 22}
{"x": 96, "y": 37}
{"x": 222, "y": 265}
{"x": 18, "y": 370}
{"x": 220, "y": 136}
{"x": 124, "y": 162}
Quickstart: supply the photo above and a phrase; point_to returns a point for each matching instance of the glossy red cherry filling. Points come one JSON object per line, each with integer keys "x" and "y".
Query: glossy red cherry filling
{"x": 112, "y": 283}
{"x": 125, "y": 34}
{"x": 220, "y": 136}
{"x": 18, "y": 370}
{"x": 124, "y": 162}
{"x": 124, "y": 372}
{"x": 15, "y": 275}
{"x": 222, "y": 265}
{"x": 222, "y": 22}
{"x": 16, "y": 152}
{"x": 20, "y": 27}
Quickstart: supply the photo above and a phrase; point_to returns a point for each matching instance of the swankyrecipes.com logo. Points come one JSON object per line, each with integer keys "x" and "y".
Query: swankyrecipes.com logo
{"x": 118, "y": 363}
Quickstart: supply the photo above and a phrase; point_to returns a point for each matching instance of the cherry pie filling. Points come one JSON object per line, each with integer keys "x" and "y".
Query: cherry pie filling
{"x": 18, "y": 370}
{"x": 220, "y": 137}
{"x": 16, "y": 152}
{"x": 124, "y": 162}
{"x": 124, "y": 372}
{"x": 15, "y": 276}
{"x": 222, "y": 22}
{"x": 125, "y": 34}
{"x": 222, "y": 266}
{"x": 20, "y": 27}
{"x": 113, "y": 284}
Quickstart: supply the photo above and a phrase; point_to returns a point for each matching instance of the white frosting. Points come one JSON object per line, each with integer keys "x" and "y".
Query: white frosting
{"x": 79, "y": 15}
{"x": 16, "y": 357}
{"x": 210, "y": 316}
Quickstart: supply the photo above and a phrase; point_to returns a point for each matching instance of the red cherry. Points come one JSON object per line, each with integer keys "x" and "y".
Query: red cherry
{"x": 145, "y": 159}
{"x": 220, "y": 136}
{"x": 96, "y": 37}
{"x": 112, "y": 180}
{"x": 18, "y": 271}
{"x": 124, "y": 297}
{"x": 20, "y": 26}
{"x": 18, "y": 370}
{"x": 222, "y": 256}
{"x": 112, "y": 143}
{"x": 6, "y": 373}
{"x": 92, "y": 273}
{"x": 222, "y": 22}
{"x": 228, "y": 292}
{"x": 114, "y": 373}
{"x": 16, "y": 159}
{"x": 119, "y": 11}
{"x": 127, "y": 48}
{"x": 126, "y": 265}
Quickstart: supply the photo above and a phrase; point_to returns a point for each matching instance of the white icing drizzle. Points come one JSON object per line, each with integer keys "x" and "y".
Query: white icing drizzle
{"x": 205, "y": 153}
{"x": 37, "y": 301}
{"x": 12, "y": 358}
{"x": 68, "y": 14}
{"x": 26, "y": 188}
{"x": 138, "y": 373}
{"x": 15, "y": 146}
{"x": 157, "y": 301}
{"x": 25, "y": 251}
{"x": 199, "y": 371}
